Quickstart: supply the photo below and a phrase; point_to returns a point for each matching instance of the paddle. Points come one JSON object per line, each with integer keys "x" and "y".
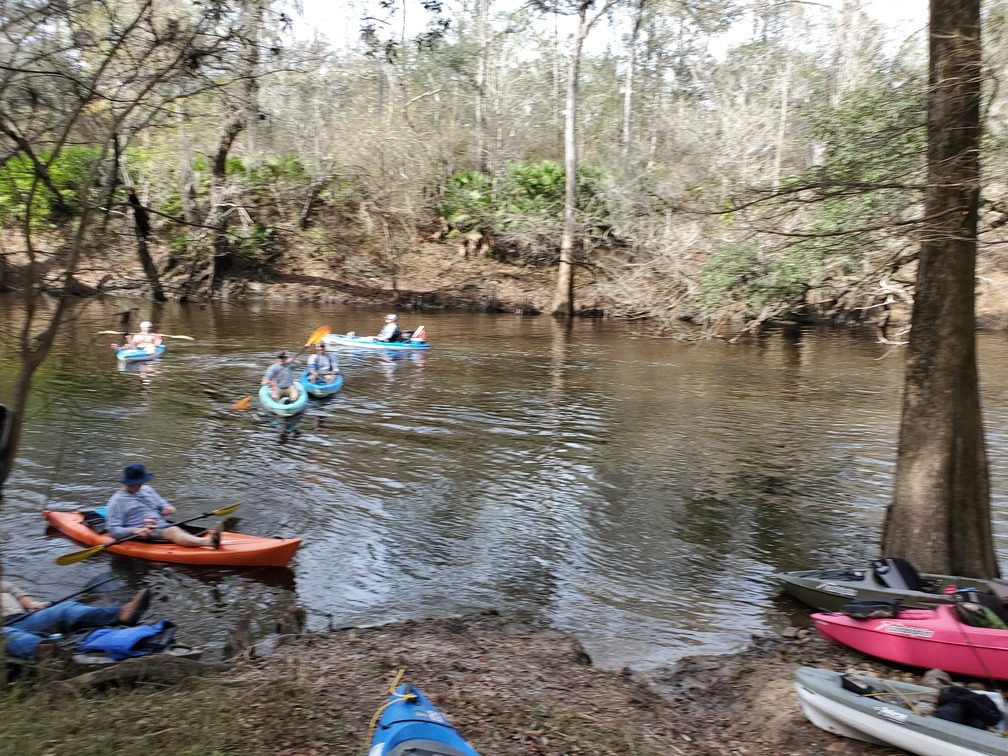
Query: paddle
{"x": 162, "y": 335}
{"x": 79, "y": 556}
{"x": 317, "y": 335}
{"x": 105, "y": 577}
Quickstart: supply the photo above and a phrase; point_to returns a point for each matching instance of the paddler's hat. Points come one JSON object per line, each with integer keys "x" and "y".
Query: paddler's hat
{"x": 134, "y": 475}
{"x": 146, "y": 324}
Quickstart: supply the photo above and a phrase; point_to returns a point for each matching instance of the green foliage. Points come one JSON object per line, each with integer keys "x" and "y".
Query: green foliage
{"x": 68, "y": 174}
{"x": 752, "y": 280}
{"x": 530, "y": 193}
{"x": 538, "y": 187}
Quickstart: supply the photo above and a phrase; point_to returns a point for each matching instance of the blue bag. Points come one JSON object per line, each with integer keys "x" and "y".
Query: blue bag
{"x": 125, "y": 642}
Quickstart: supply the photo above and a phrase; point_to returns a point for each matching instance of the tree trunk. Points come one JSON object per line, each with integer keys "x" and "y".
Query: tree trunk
{"x": 631, "y": 64}
{"x": 940, "y": 515}
{"x": 482, "y": 53}
{"x": 563, "y": 298}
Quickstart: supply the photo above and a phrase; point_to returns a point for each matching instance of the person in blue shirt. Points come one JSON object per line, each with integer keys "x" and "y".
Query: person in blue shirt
{"x": 322, "y": 367}
{"x": 280, "y": 377}
{"x": 28, "y": 622}
{"x": 390, "y": 331}
{"x": 138, "y": 510}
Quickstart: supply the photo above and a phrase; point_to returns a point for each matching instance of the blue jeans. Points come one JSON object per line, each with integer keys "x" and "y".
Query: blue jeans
{"x": 24, "y": 636}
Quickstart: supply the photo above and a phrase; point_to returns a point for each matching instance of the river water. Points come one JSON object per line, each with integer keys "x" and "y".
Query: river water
{"x": 638, "y": 492}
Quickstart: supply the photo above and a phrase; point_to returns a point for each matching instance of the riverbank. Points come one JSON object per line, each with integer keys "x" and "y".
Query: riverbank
{"x": 512, "y": 688}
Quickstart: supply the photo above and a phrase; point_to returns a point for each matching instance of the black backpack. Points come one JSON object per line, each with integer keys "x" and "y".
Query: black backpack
{"x": 964, "y": 706}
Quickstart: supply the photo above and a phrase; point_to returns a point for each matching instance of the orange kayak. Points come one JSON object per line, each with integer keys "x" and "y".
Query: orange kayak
{"x": 236, "y": 550}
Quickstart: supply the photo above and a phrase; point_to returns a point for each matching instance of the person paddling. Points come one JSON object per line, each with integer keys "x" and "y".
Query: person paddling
{"x": 322, "y": 367}
{"x": 280, "y": 377}
{"x": 138, "y": 510}
{"x": 390, "y": 331}
{"x": 146, "y": 339}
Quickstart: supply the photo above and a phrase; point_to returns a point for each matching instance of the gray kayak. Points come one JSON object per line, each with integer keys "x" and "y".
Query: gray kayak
{"x": 885, "y": 579}
{"x": 892, "y": 713}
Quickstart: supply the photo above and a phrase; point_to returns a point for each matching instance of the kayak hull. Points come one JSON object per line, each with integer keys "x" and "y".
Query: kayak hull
{"x": 923, "y": 638}
{"x": 888, "y": 714}
{"x": 411, "y": 724}
{"x": 369, "y": 342}
{"x": 285, "y": 407}
{"x": 829, "y": 589}
{"x": 139, "y": 355}
{"x": 237, "y": 549}
{"x": 322, "y": 390}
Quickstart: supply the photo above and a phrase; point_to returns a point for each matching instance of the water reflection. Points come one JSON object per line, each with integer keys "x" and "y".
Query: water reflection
{"x": 567, "y": 471}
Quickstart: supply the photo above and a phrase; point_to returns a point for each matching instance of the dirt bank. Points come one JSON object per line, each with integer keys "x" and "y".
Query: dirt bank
{"x": 517, "y": 689}
{"x": 511, "y": 687}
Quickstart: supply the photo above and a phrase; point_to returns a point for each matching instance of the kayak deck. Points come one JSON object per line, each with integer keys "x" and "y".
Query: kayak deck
{"x": 321, "y": 390}
{"x": 236, "y": 550}
{"x": 285, "y": 407}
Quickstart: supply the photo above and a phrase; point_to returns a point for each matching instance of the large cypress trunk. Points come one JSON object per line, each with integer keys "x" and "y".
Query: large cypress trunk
{"x": 940, "y": 515}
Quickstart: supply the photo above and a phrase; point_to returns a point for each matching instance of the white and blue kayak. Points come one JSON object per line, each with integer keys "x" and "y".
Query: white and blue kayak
{"x": 353, "y": 341}
{"x": 323, "y": 389}
{"x": 411, "y": 724}
{"x": 139, "y": 355}
{"x": 285, "y": 407}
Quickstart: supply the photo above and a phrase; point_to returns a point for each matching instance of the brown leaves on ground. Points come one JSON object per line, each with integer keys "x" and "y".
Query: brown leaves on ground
{"x": 515, "y": 689}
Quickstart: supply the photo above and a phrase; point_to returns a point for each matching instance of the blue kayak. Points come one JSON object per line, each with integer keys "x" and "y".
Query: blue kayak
{"x": 370, "y": 342}
{"x": 285, "y": 407}
{"x": 322, "y": 390}
{"x": 139, "y": 355}
{"x": 412, "y": 725}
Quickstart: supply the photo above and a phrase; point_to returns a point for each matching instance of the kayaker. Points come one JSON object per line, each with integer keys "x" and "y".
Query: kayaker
{"x": 146, "y": 339}
{"x": 390, "y": 331}
{"x": 138, "y": 510}
{"x": 280, "y": 377}
{"x": 322, "y": 367}
{"x": 28, "y": 622}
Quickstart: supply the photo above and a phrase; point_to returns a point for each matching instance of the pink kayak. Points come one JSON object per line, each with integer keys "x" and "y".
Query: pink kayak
{"x": 924, "y": 638}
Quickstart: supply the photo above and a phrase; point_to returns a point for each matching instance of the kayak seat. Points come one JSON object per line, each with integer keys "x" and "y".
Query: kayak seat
{"x": 898, "y": 574}
{"x": 94, "y": 520}
{"x": 993, "y": 603}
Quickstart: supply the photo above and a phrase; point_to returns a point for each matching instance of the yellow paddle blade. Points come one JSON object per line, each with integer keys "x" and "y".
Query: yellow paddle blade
{"x": 243, "y": 403}
{"x": 317, "y": 335}
{"x": 225, "y": 511}
{"x": 79, "y": 556}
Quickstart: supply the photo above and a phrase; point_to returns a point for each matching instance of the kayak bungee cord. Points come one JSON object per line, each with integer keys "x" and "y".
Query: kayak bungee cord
{"x": 394, "y": 698}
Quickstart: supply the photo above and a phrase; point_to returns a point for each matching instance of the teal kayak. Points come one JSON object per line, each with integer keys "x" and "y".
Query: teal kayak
{"x": 322, "y": 390}
{"x": 285, "y": 407}
{"x": 139, "y": 355}
{"x": 411, "y": 725}
{"x": 369, "y": 342}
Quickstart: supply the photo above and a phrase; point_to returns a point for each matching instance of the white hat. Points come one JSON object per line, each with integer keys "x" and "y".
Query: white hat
{"x": 146, "y": 324}
{"x": 393, "y": 318}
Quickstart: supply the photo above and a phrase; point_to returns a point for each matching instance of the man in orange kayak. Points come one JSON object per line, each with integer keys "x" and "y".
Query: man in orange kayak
{"x": 138, "y": 510}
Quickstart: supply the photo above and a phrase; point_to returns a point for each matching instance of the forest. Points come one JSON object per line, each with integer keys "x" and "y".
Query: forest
{"x": 209, "y": 144}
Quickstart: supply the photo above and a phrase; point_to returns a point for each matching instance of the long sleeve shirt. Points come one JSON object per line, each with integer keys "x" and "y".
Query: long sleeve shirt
{"x": 127, "y": 510}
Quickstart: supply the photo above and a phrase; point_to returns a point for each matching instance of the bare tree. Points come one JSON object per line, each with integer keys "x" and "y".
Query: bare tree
{"x": 940, "y": 514}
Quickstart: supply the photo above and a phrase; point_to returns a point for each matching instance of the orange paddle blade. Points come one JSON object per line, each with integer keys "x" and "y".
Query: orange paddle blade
{"x": 317, "y": 335}
{"x": 243, "y": 403}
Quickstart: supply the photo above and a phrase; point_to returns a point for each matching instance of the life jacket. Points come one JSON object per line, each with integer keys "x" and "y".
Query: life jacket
{"x": 126, "y": 642}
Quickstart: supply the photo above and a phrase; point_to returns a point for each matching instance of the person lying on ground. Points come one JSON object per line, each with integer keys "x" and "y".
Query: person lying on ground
{"x": 28, "y": 622}
{"x": 138, "y": 510}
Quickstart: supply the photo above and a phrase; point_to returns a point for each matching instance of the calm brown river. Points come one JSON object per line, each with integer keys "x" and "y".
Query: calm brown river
{"x": 639, "y": 493}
